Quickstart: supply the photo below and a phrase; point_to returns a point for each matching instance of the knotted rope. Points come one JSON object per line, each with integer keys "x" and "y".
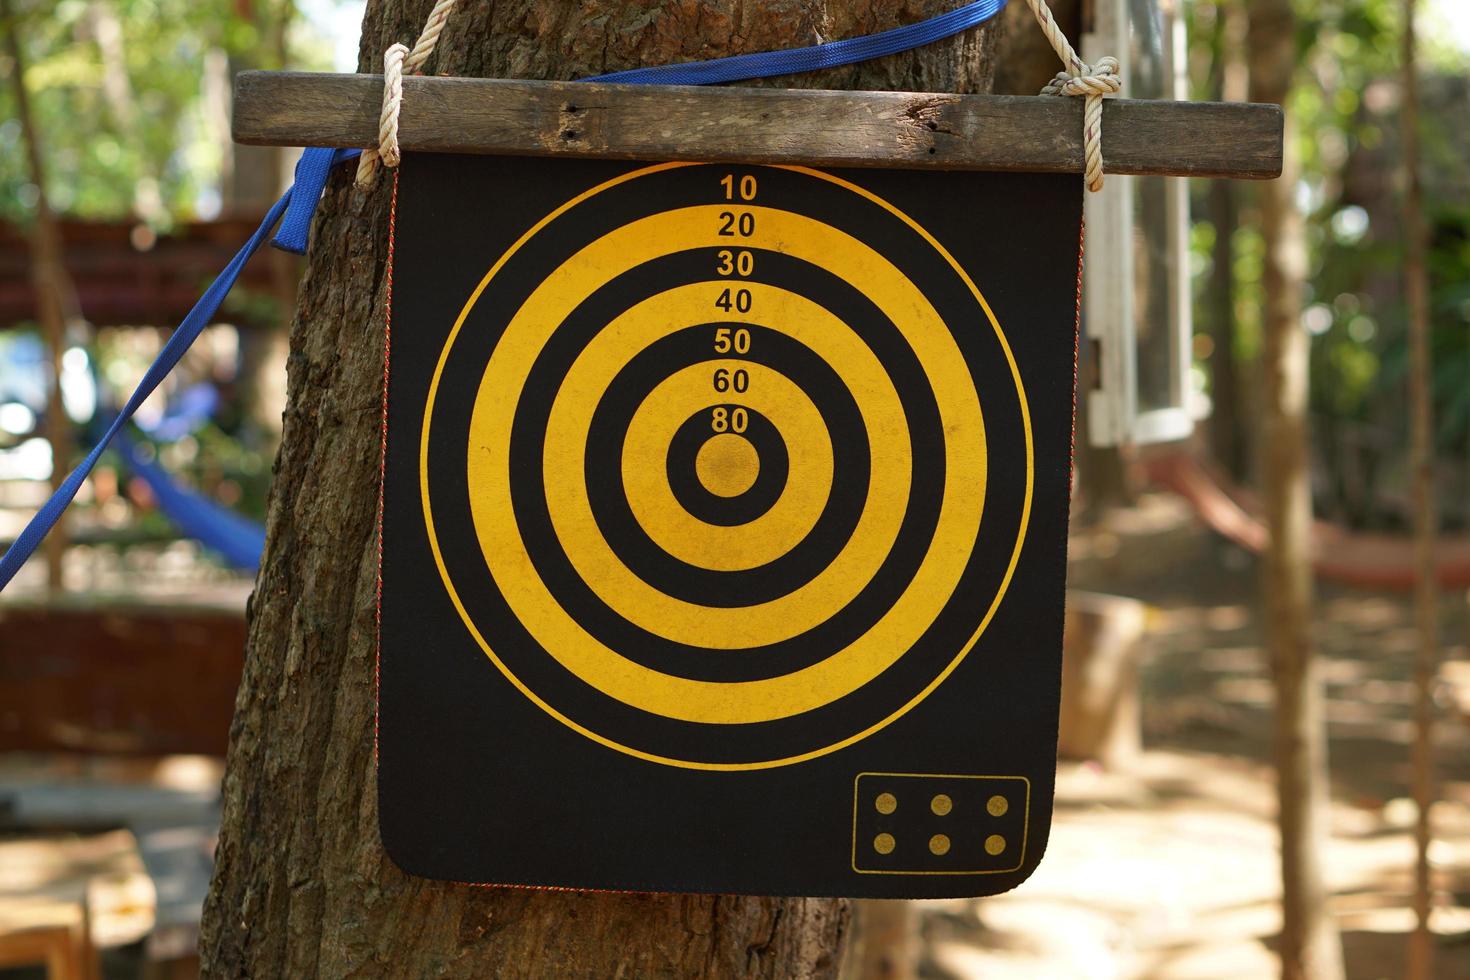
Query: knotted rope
{"x": 1092, "y": 82}
{"x": 397, "y": 62}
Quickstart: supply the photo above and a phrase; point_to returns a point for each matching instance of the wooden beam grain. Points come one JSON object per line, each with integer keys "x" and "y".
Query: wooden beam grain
{"x": 748, "y": 125}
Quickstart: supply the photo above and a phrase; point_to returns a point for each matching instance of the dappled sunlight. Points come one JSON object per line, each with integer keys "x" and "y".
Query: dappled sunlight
{"x": 1168, "y": 868}
{"x": 46, "y": 880}
{"x": 1170, "y": 871}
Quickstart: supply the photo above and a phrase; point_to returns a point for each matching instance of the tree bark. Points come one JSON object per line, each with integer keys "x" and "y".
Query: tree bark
{"x": 1310, "y": 946}
{"x": 302, "y": 887}
{"x": 1030, "y": 62}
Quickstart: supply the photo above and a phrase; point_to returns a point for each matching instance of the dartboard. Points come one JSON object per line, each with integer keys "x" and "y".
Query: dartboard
{"x": 709, "y": 475}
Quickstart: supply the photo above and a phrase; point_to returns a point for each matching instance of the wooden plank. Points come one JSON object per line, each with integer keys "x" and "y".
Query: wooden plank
{"x": 127, "y": 276}
{"x": 748, "y": 125}
{"x": 118, "y": 679}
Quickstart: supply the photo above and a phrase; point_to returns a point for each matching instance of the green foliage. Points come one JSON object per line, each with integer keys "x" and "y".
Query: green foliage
{"x": 102, "y": 149}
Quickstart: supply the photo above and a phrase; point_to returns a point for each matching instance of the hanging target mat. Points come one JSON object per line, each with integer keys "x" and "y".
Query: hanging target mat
{"x": 724, "y": 525}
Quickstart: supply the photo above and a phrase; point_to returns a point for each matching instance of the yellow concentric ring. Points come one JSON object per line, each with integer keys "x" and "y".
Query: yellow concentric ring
{"x": 686, "y": 537}
{"x": 799, "y": 318}
{"x": 565, "y": 639}
{"x": 776, "y": 398}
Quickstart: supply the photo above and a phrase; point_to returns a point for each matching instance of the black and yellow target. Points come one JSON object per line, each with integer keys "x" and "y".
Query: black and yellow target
{"x": 721, "y": 474}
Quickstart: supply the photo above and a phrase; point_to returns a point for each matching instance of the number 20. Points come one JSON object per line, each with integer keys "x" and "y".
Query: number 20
{"x": 732, "y": 224}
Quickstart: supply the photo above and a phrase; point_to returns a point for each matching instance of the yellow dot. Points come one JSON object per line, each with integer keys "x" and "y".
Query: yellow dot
{"x": 883, "y": 843}
{"x": 939, "y": 844}
{"x": 941, "y": 805}
{"x": 997, "y": 806}
{"x": 994, "y": 844}
{"x": 885, "y": 803}
{"x": 727, "y": 465}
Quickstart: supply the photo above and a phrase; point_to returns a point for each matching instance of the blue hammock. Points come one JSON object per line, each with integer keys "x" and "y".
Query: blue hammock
{"x": 237, "y": 539}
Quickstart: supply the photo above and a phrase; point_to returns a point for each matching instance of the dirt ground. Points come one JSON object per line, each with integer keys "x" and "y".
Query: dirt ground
{"x": 1169, "y": 870}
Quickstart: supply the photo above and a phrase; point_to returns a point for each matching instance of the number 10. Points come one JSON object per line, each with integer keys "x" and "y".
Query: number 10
{"x": 747, "y": 187}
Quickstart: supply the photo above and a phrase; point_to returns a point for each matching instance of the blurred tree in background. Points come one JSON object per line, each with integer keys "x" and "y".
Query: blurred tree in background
{"x": 1345, "y": 105}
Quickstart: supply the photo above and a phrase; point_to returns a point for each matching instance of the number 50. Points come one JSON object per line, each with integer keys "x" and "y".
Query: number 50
{"x": 727, "y": 340}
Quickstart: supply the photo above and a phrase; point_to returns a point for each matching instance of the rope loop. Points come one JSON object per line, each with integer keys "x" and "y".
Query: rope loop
{"x": 387, "y": 150}
{"x": 1090, "y": 82}
{"x": 398, "y": 61}
{"x": 1100, "y": 79}
{"x": 1093, "y": 83}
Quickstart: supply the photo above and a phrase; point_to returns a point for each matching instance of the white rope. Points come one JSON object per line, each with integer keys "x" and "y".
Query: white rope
{"x": 398, "y": 61}
{"x": 387, "y": 151}
{"x": 1092, "y": 82}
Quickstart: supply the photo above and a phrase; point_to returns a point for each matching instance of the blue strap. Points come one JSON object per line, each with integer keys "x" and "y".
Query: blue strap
{"x": 767, "y": 64}
{"x": 312, "y": 170}
{"x": 300, "y": 202}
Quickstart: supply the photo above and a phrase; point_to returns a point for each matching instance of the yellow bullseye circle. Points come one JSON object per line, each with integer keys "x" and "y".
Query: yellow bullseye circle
{"x": 727, "y": 465}
{"x": 809, "y": 448}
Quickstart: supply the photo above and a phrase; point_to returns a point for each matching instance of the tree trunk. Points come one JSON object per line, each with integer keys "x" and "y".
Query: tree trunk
{"x": 1227, "y": 428}
{"x": 55, "y": 294}
{"x": 1228, "y": 416}
{"x": 1426, "y": 509}
{"x": 1028, "y": 61}
{"x": 302, "y": 887}
{"x": 250, "y": 184}
{"x": 1310, "y": 947}
{"x": 887, "y": 940}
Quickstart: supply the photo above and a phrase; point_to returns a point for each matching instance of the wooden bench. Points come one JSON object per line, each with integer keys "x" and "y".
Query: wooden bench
{"x": 63, "y": 896}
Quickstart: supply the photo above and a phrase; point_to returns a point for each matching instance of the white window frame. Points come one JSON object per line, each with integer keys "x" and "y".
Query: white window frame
{"x": 1109, "y": 310}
